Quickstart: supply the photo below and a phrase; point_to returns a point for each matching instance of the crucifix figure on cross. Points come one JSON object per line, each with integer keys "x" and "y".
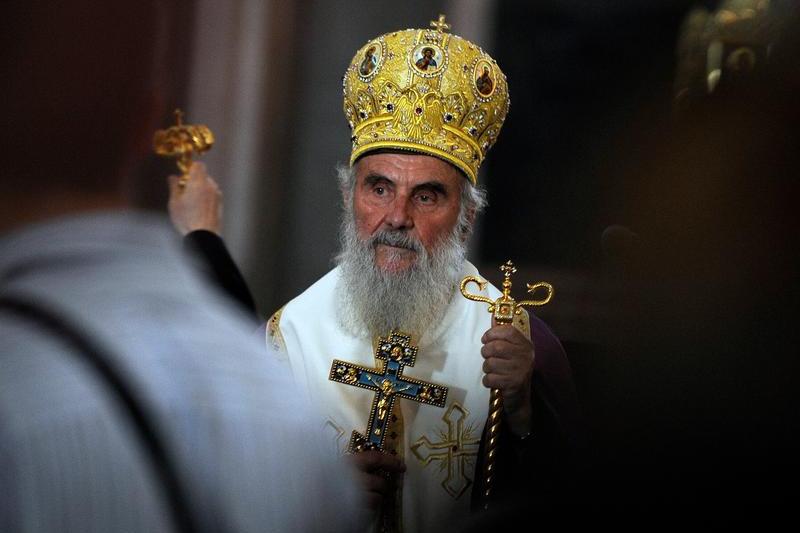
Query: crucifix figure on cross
{"x": 396, "y": 352}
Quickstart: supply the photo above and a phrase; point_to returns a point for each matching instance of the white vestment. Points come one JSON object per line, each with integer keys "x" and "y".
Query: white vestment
{"x": 439, "y": 445}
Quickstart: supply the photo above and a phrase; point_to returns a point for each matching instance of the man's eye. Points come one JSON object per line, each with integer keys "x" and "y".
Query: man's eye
{"x": 426, "y": 198}
{"x": 380, "y": 191}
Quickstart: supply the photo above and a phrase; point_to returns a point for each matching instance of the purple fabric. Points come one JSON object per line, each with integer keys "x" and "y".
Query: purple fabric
{"x": 554, "y": 383}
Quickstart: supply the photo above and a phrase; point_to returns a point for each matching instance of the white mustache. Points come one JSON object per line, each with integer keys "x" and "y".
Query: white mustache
{"x": 397, "y": 239}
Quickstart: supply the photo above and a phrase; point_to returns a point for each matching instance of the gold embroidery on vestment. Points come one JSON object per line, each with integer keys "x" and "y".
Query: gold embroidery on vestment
{"x": 274, "y": 338}
{"x": 455, "y": 450}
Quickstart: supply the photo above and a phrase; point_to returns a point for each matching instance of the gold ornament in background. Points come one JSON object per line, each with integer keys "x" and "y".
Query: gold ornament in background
{"x": 504, "y": 309}
{"x": 183, "y": 141}
{"x": 425, "y": 91}
{"x": 731, "y": 42}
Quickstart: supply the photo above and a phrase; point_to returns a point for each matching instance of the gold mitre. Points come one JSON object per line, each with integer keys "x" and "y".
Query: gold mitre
{"x": 425, "y": 91}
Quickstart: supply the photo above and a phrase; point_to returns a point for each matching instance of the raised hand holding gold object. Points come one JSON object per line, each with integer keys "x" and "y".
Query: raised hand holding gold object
{"x": 509, "y": 360}
{"x": 183, "y": 141}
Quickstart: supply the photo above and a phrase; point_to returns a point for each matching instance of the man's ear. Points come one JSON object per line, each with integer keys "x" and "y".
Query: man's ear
{"x": 347, "y": 189}
{"x": 471, "y": 214}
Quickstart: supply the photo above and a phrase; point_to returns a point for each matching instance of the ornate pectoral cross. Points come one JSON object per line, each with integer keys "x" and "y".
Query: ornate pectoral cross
{"x": 396, "y": 352}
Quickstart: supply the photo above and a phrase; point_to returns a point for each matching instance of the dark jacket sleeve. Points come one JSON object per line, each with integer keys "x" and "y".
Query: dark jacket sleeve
{"x": 210, "y": 249}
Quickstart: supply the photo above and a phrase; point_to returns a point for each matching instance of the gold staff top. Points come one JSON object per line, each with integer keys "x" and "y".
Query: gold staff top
{"x": 504, "y": 308}
{"x": 182, "y": 141}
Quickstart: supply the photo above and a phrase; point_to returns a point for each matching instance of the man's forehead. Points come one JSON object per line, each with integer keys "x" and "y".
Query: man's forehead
{"x": 408, "y": 166}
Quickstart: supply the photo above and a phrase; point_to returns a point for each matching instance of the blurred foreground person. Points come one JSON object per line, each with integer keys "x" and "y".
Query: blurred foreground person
{"x": 131, "y": 398}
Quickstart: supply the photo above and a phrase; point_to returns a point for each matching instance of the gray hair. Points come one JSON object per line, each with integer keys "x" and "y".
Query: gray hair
{"x": 473, "y": 198}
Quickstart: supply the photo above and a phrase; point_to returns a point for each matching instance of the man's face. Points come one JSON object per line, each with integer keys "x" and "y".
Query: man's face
{"x": 418, "y": 195}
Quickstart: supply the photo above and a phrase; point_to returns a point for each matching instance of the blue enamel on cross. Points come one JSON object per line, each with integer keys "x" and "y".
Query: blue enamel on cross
{"x": 396, "y": 352}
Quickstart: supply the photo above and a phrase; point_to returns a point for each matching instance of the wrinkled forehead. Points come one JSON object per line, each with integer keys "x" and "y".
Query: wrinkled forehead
{"x": 409, "y": 165}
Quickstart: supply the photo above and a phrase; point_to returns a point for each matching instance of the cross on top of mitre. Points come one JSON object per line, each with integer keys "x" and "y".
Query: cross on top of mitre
{"x": 440, "y": 25}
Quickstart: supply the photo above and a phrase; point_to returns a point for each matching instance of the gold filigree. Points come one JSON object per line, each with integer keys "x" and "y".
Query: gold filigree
{"x": 183, "y": 141}
{"x": 274, "y": 336}
{"x": 505, "y": 308}
{"x": 433, "y": 102}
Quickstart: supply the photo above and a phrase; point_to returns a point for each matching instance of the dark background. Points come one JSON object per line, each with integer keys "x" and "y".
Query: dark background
{"x": 680, "y": 325}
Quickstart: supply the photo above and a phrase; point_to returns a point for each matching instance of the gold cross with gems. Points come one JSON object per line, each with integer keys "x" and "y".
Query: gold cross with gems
{"x": 440, "y": 25}
{"x": 456, "y": 451}
{"x": 396, "y": 352}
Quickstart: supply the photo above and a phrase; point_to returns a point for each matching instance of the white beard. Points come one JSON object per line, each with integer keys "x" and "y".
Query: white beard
{"x": 375, "y": 302}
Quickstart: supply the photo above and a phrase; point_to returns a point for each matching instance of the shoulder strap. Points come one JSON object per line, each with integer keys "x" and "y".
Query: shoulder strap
{"x": 59, "y": 325}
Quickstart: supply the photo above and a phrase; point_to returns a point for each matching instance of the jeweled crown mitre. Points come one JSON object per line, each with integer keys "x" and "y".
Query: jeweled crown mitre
{"x": 425, "y": 91}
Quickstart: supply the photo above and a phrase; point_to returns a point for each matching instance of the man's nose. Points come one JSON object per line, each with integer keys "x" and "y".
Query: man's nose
{"x": 399, "y": 215}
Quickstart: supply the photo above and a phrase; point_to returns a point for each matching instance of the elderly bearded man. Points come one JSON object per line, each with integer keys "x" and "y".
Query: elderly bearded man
{"x": 410, "y": 200}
